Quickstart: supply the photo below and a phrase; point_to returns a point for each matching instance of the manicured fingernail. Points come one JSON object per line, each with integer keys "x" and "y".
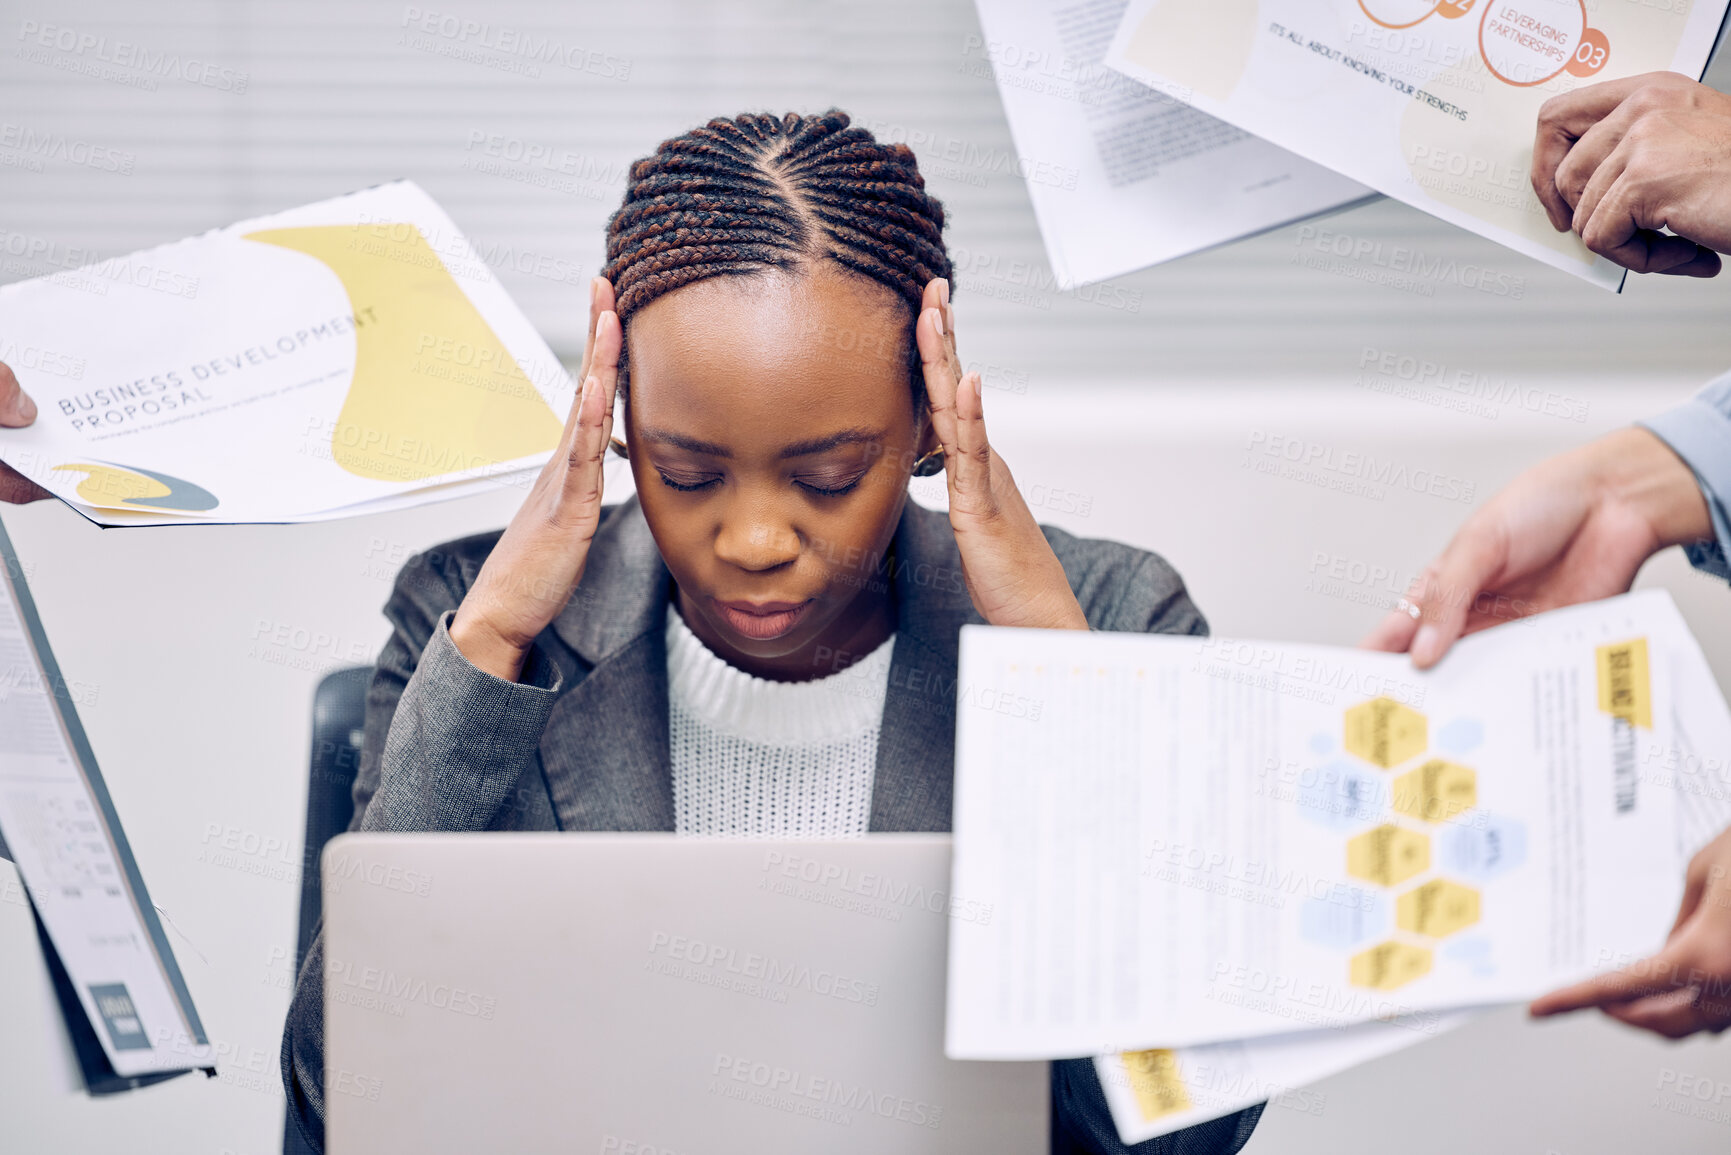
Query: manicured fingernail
{"x": 25, "y": 407}
{"x": 1425, "y": 645}
{"x": 939, "y": 314}
{"x": 594, "y": 291}
{"x": 944, "y": 290}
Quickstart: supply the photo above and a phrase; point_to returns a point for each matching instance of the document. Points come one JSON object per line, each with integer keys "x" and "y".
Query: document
{"x": 1121, "y": 176}
{"x": 1432, "y": 102}
{"x": 62, "y": 832}
{"x": 1153, "y": 1093}
{"x": 346, "y": 357}
{"x": 1196, "y": 840}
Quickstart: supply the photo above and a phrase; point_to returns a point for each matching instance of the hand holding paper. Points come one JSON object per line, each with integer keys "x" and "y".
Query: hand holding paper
{"x": 1687, "y": 986}
{"x": 1572, "y": 529}
{"x": 350, "y": 356}
{"x": 1430, "y": 102}
{"x": 16, "y": 409}
{"x": 1199, "y": 840}
{"x": 1621, "y": 162}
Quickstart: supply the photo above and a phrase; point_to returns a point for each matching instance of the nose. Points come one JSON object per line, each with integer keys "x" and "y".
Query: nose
{"x": 753, "y": 538}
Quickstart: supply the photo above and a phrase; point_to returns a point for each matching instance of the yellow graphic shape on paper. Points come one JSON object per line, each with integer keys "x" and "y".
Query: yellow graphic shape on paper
{"x": 435, "y": 390}
{"x": 1384, "y": 732}
{"x": 1388, "y": 965}
{"x": 110, "y": 486}
{"x": 1156, "y": 1083}
{"x": 1437, "y": 791}
{"x": 1205, "y": 47}
{"x": 1437, "y": 909}
{"x": 1625, "y": 687}
{"x": 1387, "y": 855}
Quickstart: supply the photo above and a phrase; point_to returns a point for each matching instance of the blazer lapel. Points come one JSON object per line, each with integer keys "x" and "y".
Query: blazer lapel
{"x": 604, "y": 751}
{"x": 915, "y": 778}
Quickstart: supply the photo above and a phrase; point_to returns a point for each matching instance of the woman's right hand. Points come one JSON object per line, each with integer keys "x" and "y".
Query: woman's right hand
{"x": 529, "y": 576}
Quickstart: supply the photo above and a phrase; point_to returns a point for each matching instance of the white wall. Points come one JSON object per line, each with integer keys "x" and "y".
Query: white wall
{"x": 201, "y": 724}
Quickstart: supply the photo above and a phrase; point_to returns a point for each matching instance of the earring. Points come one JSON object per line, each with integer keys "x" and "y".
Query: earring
{"x": 931, "y": 464}
{"x": 618, "y": 447}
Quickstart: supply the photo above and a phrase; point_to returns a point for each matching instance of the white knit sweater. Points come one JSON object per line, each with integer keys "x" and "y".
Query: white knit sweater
{"x": 755, "y": 758}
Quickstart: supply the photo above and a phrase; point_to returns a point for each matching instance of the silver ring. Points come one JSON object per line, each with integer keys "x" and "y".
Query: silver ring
{"x": 1410, "y": 608}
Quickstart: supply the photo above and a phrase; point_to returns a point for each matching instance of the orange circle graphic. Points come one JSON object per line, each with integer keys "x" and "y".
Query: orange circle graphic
{"x": 1364, "y": 6}
{"x": 1590, "y": 54}
{"x": 1500, "y": 9}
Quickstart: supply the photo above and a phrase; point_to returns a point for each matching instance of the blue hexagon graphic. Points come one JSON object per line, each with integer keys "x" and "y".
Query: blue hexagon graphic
{"x": 1322, "y": 744}
{"x": 1474, "y": 953}
{"x": 1483, "y": 846}
{"x": 1348, "y": 916}
{"x": 1461, "y": 736}
{"x": 1341, "y": 795}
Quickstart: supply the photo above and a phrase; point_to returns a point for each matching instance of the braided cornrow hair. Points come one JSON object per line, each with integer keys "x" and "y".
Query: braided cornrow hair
{"x": 742, "y": 195}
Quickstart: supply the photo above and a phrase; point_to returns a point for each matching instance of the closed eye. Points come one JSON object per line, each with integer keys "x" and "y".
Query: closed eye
{"x": 689, "y": 485}
{"x": 828, "y": 490}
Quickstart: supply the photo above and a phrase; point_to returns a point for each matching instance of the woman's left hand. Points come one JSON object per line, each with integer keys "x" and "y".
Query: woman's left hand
{"x": 1011, "y": 572}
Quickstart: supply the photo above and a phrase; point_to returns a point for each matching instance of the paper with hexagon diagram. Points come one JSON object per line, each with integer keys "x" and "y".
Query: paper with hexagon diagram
{"x": 1433, "y": 102}
{"x": 341, "y": 358}
{"x": 1191, "y": 840}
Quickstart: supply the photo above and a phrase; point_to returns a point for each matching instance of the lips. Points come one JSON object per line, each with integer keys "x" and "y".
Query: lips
{"x": 761, "y": 621}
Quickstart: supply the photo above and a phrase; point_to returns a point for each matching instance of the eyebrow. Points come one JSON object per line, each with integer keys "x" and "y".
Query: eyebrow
{"x": 833, "y": 441}
{"x": 797, "y": 449}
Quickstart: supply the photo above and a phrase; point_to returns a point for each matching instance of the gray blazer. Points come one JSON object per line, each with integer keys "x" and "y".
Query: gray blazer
{"x": 580, "y": 742}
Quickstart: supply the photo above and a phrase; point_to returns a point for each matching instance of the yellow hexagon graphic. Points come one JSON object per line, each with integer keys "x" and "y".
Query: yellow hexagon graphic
{"x": 1437, "y": 791}
{"x": 1387, "y": 855}
{"x": 1384, "y": 732}
{"x": 1437, "y": 909}
{"x": 1388, "y": 965}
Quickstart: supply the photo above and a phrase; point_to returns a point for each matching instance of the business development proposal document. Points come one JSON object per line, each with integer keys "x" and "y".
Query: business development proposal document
{"x": 1121, "y": 176}
{"x": 346, "y": 357}
{"x": 1433, "y": 102}
{"x": 1190, "y": 841}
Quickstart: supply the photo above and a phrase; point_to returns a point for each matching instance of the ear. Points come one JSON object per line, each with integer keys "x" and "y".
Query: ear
{"x": 926, "y": 435}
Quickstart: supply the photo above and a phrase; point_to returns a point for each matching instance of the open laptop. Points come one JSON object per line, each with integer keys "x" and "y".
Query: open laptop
{"x": 651, "y": 995}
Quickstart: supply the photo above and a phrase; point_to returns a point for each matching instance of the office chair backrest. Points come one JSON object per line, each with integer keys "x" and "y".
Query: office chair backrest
{"x": 339, "y": 714}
